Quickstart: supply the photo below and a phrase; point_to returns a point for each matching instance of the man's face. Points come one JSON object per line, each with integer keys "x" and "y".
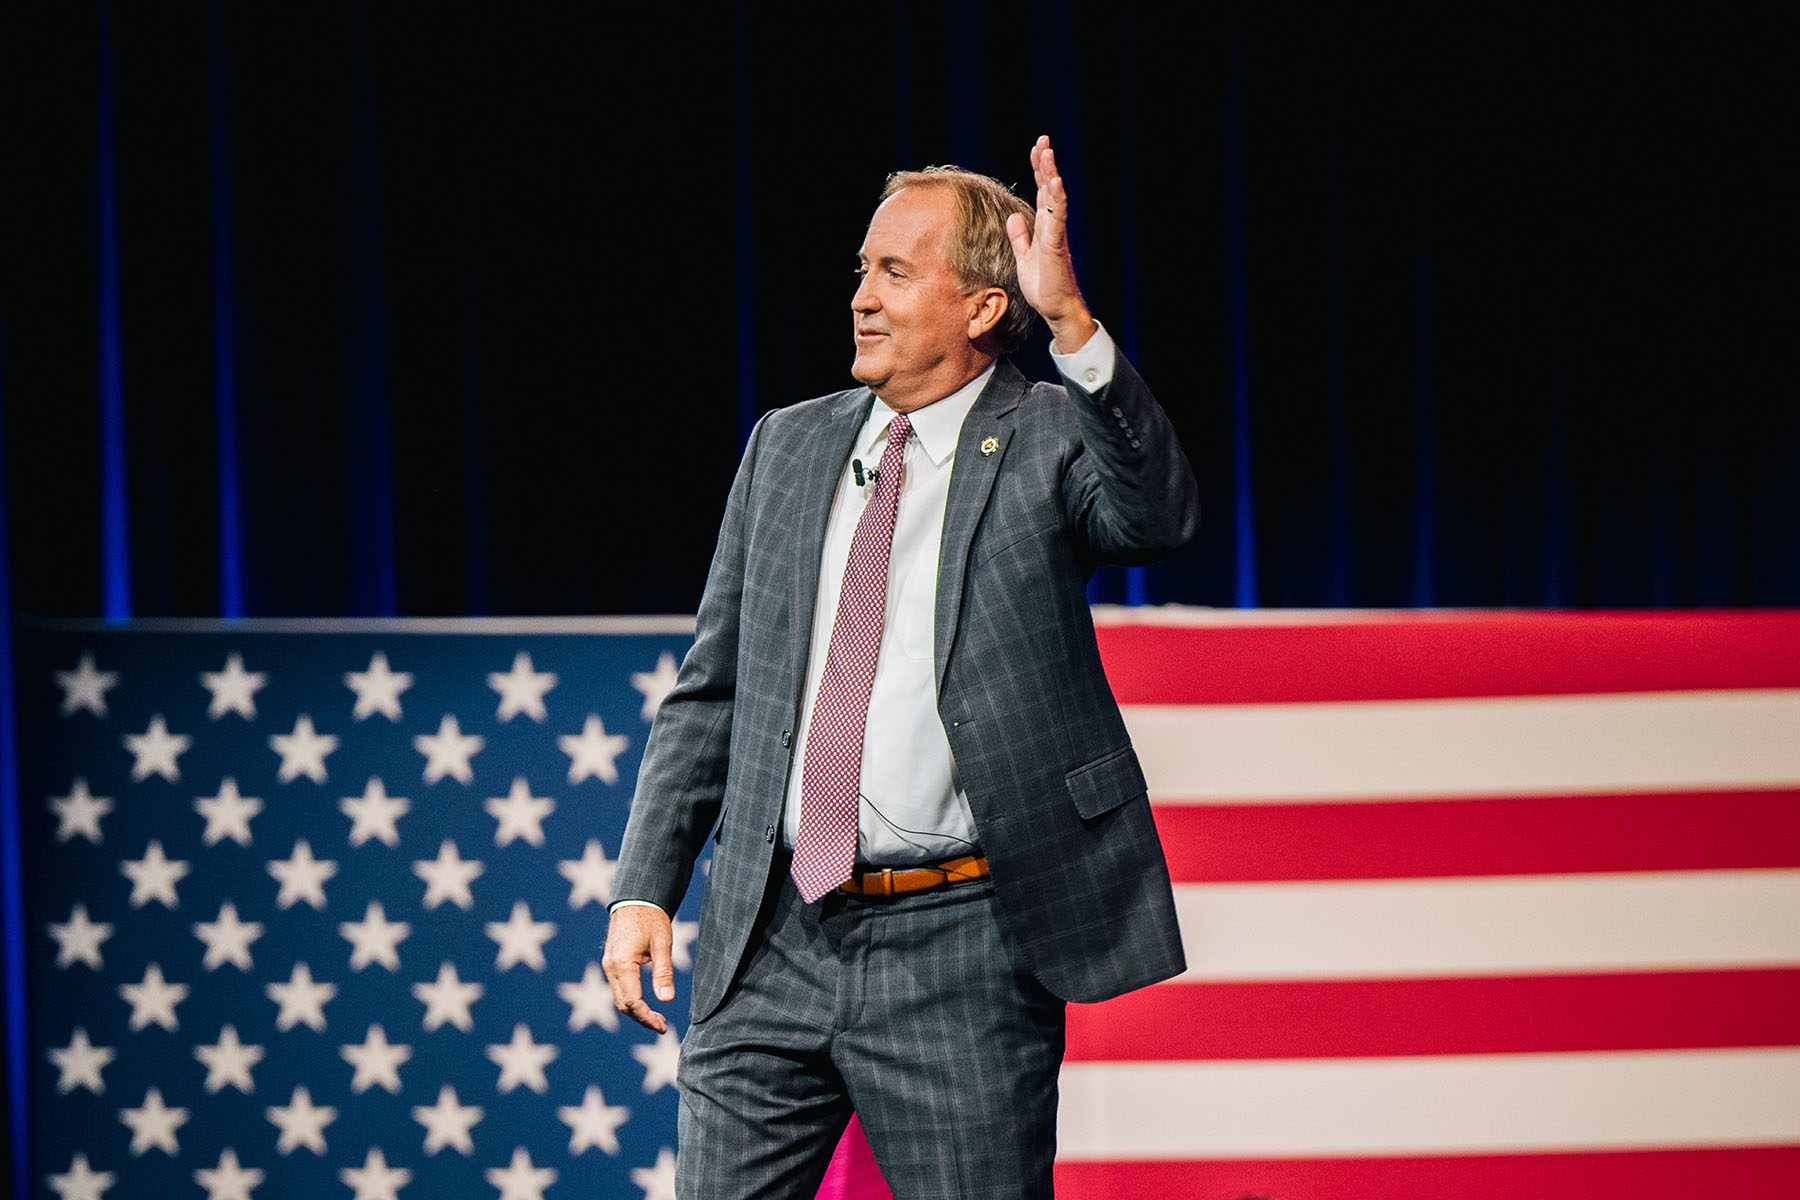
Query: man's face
{"x": 909, "y": 315}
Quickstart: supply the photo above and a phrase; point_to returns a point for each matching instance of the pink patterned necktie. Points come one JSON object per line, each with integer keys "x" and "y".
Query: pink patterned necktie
{"x": 825, "y": 847}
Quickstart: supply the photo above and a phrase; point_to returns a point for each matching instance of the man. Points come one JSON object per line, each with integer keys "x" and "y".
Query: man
{"x": 932, "y": 830}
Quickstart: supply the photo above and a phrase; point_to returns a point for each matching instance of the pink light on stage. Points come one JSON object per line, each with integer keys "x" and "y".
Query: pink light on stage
{"x": 853, "y": 1174}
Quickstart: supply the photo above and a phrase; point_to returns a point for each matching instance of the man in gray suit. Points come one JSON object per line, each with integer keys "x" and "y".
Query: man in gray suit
{"x": 931, "y": 828}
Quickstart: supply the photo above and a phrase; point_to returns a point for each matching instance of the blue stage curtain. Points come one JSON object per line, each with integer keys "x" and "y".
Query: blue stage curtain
{"x": 348, "y": 310}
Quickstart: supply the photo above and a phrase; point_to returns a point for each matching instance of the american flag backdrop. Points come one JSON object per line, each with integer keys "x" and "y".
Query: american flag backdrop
{"x": 316, "y": 909}
{"x": 1476, "y": 905}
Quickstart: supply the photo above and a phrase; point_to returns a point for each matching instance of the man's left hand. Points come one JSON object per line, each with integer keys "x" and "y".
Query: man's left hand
{"x": 1046, "y": 273}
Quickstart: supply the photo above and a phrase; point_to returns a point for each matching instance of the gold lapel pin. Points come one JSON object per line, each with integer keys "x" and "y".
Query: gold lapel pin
{"x": 989, "y": 445}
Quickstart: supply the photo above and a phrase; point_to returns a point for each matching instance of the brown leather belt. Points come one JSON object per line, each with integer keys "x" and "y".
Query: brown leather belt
{"x": 890, "y": 881}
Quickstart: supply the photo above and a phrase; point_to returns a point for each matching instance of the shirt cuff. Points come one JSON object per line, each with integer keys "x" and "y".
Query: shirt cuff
{"x": 1091, "y": 367}
{"x": 618, "y": 904}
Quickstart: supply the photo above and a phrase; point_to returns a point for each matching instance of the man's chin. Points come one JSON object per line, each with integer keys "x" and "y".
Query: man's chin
{"x": 867, "y": 373}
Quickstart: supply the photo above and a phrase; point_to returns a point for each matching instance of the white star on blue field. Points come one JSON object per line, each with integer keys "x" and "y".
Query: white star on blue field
{"x": 321, "y": 912}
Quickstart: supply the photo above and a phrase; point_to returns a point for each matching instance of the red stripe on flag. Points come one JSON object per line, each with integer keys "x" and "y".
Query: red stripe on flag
{"x": 1429, "y": 655}
{"x": 1486, "y": 1015}
{"x": 1751, "y": 1172}
{"x": 1510, "y": 835}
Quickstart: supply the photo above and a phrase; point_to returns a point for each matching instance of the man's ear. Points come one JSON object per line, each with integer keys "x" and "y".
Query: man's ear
{"x": 989, "y": 306}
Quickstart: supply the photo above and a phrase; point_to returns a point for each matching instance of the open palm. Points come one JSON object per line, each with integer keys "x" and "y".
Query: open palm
{"x": 1041, "y": 247}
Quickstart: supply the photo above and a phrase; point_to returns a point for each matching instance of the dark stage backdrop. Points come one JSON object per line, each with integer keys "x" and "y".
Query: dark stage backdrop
{"x": 369, "y": 309}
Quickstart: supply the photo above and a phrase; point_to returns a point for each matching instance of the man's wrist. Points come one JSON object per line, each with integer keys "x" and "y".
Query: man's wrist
{"x": 1091, "y": 367}
{"x": 616, "y": 905}
{"x": 1072, "y": 332}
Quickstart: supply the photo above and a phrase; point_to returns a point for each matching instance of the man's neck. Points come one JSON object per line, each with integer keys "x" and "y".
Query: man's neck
{"x": 922, "y": 398}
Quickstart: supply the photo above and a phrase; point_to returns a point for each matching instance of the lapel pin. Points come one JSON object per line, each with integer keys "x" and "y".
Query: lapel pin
{"x": 988, "y": 446}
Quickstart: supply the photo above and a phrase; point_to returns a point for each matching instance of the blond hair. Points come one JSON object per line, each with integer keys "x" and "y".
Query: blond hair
{"x": 979, "y": 252}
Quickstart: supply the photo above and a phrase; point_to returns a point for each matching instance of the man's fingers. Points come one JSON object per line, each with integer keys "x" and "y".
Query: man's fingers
{"x": 646, "y": 1016}
{"x": 1052, "y": 199}
{"x": 622, "y": 977}
{"x": 662, "y": 964}
{"x": 628, "y": 993}
{"x": 1018, "y": 232}
{"x": 1053, "y": 219}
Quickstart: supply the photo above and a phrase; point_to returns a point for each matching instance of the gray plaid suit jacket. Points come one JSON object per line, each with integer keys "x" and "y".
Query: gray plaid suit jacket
{"x": 1058, "y": 798}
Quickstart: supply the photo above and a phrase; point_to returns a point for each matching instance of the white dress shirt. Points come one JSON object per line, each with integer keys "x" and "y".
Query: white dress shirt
{"x": 911, "y": 809}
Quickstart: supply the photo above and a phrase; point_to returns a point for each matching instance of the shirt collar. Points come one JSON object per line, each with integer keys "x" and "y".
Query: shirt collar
{"x": 936, "y": 425}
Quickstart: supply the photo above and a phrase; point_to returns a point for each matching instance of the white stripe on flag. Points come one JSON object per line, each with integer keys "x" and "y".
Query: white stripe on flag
{"x": 1451, "y": 1104}
{"x": 1506, "y": 925}
{"x": 1398, "y": 749}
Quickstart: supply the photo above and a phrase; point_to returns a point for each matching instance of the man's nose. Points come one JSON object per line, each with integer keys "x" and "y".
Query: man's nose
{"x": 864, "y": 300}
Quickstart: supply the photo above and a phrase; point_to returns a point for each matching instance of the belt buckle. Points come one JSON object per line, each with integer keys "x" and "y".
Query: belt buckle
{"x": 864, "y": 882}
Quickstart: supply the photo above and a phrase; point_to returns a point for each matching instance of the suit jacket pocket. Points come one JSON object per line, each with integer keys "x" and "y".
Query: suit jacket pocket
{"x": 1008, "y": 540}
{"x": 1106, "y": 782}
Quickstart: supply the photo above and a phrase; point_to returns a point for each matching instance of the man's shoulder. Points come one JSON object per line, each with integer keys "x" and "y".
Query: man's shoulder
{"x": 1045, "y": 407}
{"x": 1044, "y": 396}
{"x": 1032, "y": 399}
{"x": 807, "y": 414}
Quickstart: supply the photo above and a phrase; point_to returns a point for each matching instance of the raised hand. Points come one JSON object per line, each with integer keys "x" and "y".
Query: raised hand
{"x": 1046, "y": 273}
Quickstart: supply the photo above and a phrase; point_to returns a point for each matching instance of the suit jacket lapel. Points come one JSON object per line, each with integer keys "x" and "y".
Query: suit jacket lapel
{"x": 820, "y": 466}
{"x": 971, "y": 482}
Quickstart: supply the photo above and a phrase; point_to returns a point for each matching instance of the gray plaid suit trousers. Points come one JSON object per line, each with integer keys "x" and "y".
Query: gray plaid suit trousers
{"x": 918, "y": 1013}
